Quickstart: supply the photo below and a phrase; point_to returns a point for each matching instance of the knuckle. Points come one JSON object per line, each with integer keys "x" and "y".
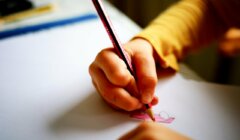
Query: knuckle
{"x": 121, "y": 77}
{"x": 105, "y": 96}
{"x": 112, "y": 96}
{"x": 103, "y": 55}
{"x": 91, "y": 69}
{"x": 105, "y": 92}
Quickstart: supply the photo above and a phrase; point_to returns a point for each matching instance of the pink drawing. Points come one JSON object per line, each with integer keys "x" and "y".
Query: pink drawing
{"x": 158, "y": 117}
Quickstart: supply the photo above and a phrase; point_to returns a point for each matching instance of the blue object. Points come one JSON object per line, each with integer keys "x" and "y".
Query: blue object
{"x": 32, "y": 28}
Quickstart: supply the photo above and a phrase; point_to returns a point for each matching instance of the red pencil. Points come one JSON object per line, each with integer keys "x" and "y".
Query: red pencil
{"x": 117, "y": 45}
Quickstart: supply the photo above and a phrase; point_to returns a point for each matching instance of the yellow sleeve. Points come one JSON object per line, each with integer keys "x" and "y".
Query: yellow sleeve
{"x": 186, "y": 25}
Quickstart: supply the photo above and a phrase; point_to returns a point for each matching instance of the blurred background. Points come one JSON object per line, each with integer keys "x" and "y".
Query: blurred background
{"x": 208, "y": 63}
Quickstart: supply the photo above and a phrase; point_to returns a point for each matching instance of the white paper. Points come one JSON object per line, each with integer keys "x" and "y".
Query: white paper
{"x": 202, "y": 110}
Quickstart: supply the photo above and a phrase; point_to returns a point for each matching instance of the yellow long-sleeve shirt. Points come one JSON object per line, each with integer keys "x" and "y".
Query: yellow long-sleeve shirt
{"x": 190, "y": 24}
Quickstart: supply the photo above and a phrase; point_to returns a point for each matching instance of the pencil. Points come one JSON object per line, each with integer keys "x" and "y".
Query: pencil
{"x": 27, "y": 14}
{"x": 117, "y": 45}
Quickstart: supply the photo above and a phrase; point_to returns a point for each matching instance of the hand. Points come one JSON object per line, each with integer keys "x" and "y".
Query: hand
{"x": 230, "y": 43}
{"x": 114, "y": 82}
{"x": 153, "y": 131}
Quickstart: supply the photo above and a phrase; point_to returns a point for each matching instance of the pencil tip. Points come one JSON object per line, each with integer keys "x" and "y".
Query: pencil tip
{"x": 150, "y": 114}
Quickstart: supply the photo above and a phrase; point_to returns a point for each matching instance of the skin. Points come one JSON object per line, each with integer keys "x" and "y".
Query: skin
{"x": 230, "y": 43}
{"x": 153, "y": 131}
{"x": 118, "y": 88}
{"x": 114, "y": 82}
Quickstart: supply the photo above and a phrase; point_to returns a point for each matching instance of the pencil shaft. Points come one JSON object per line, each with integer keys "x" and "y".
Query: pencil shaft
{"x": 112, "y": 35}
{"x": 116, "y": 43}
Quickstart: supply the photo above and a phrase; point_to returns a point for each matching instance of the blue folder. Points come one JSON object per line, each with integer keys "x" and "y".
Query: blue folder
{"x": 32, "y": 28}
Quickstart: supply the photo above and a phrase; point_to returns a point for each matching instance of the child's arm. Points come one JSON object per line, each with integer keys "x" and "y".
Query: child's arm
{"x": 185, "y": 26}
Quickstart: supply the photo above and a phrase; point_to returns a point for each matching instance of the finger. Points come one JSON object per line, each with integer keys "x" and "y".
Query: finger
{"x": 131, "y": 134}
{"x": 136, "y": 132}
{"x": 155, "y": 101}
{"x": 113, "y": 94}
{"x": 146, "y": 135}
{"x": 132, "y": 88}
{"x": 114, "y": 67}
{"x": 112, "y": 105}
{"x": 146, "y": 75}
{"x": 116, "y": 71}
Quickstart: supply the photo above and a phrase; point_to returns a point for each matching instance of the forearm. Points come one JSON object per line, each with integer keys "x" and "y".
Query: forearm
{"x": 186, "y": 25}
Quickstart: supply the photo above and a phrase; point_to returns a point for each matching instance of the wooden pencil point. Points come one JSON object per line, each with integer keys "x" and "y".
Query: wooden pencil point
{"x": 150, "y": 114}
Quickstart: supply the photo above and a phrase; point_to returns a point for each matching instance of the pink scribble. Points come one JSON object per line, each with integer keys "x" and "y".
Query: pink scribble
{"x": 158, "y": 117}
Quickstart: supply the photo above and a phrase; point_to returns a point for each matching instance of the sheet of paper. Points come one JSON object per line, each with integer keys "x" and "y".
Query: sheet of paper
{"x": 46, "y": 91}
{"x": 202, "y": 110}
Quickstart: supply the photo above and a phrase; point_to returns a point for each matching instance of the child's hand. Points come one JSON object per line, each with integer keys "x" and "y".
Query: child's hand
{"x": 153, "y": 131}
{"x": 115, "y": 83}
{"x": 230, "y": 43}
